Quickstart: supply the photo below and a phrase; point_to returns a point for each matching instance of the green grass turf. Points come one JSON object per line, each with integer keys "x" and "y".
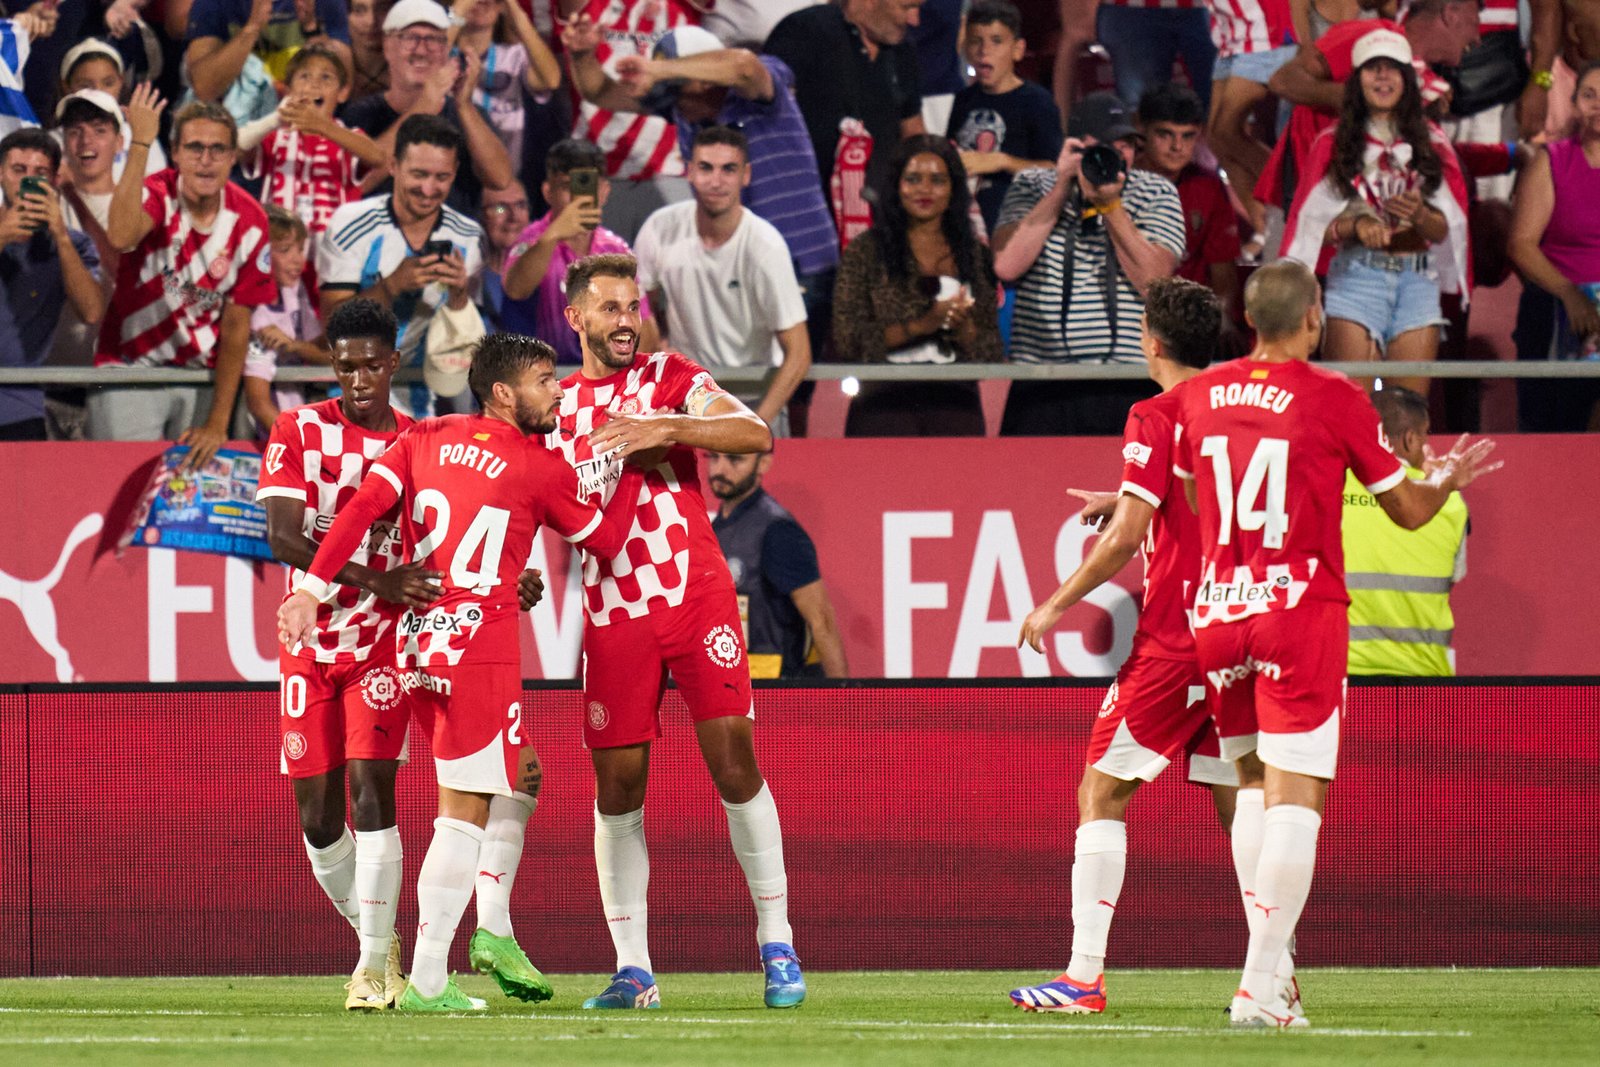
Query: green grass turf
{"x": 923, "y": 1018}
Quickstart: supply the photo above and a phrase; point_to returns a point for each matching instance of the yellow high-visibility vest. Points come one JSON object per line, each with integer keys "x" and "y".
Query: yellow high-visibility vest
{"x": 1399, "y": 582}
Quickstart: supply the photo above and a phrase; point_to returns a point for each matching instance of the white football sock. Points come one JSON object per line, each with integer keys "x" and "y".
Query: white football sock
{"x": 1099, "y": 860}
{"x": 758, "y": 842}
{"x": 502, "y": 854}
{"x": 623, "y": 865}
{"x": 378, "y": 866}
{"x": 444, "y": 886}
{"x": 335, "y": 869}
{"x": 1283, "y": 881}
{"x": 1249, "y": 808}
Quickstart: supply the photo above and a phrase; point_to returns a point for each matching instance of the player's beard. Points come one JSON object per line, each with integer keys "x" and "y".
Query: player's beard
{"x": 530, "y": 421}
{"x": 600, "y": 344}
{"x": 723, "y": 489}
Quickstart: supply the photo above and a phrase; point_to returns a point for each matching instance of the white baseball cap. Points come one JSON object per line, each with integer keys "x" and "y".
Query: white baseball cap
{"x": 1381, "y": 44}
{"x": 84, "y": 49}
{"x": 410, "y": 12}
{"x": 98, "y": 99}
{"x": 686, "y": 41}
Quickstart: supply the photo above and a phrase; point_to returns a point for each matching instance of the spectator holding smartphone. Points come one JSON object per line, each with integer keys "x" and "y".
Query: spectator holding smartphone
{"x": 576, "y": 189}
{"x": 44, "y": 266}
{"x": 409, "y": 250}
{"x": 918, "y": 288}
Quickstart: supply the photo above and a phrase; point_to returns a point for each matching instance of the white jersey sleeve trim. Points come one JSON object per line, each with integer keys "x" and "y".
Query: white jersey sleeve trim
{"x": 1142, "y": 493}
{"x": 389, "y": 476}
{"x": 594, "y": 524}
{"x": 1180, "y": 472}
{"x": 323, "y": 591}
{"x": 268, "y": 491}
{"x": 1383, "y": 485}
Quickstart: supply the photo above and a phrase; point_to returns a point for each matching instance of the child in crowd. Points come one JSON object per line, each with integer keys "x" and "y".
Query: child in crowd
{"x": 94, "y": 64}
{"x": 313, "y": 163}
{"x": 286, "y": 333}
{"x": 512, "y": 57}
{"x": 1001, "y": 123}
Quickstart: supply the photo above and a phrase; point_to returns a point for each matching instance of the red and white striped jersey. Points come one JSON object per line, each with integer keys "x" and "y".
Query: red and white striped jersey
{"x": 318, "y": 457}
{"x": 636, "y": 146}
{"x": 308, "y": 175}
{"x": 1242, "y": 26}
{"x": 671, "y": 542}
{"x": 166, "y": 309}
{"x": 1497, "y": 16}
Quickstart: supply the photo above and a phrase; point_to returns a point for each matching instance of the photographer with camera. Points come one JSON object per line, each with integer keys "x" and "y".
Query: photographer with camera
{"x": 1083, "y": 242}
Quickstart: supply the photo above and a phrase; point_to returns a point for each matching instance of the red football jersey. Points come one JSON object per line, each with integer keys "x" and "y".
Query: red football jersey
{"x": 166, "y": 308}
{"x": 1267, "y": 445}
{"x": 1172, "y": 544}
{"x": 475, "y": 492}
{"x": 318, "y": 457}
{"x": 671, "y": 543}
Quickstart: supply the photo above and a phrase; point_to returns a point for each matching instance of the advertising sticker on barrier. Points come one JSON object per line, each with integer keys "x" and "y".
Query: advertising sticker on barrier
{"x": 212, "y": 509}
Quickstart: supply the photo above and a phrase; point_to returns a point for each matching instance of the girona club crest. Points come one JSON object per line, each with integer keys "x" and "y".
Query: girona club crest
{"x": 722, "y": 645}
{"x": 598, "y": 715}
{"x": 294, "y": 744}
{"x": 380, "y": 688}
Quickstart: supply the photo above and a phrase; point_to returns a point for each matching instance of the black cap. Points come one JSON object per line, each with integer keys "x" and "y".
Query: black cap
{"x": 1102, "y": 116}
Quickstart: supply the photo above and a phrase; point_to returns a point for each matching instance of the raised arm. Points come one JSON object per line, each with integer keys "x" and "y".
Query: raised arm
{"x": 1410, "y": 504}
{"x": 1306, "y": 79}
{"x": 214, "y": 63}
{"x": 544, "y": 70}
{"x": 128, "y": 224}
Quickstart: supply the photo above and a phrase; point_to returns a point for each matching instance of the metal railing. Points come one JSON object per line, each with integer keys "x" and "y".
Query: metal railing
{"x": 863, "y": 372}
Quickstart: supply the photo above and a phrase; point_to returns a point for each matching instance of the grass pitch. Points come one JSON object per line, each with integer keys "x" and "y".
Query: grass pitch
{"x": 923, "y": 1018}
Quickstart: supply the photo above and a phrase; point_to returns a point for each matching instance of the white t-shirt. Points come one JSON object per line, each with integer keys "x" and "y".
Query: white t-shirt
{"x": 726, "y": 305}
{"x": 746, "y": 23}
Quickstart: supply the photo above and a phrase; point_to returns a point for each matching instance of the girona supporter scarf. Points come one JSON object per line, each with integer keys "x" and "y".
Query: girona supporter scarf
{"x": 852, "y": 215}
{"x": 1386, "y": 172}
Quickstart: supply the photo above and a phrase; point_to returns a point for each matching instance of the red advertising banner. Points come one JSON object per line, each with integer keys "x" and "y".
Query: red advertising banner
{"x": 933, "y": 552}
{"x": 923, "y": 825}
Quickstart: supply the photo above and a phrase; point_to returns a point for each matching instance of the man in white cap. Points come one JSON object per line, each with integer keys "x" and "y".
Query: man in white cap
{"x": 92, "y": 132}
{"x": 424, "y": 79}
{"x": 691, "y": 80}
{"x": 94, "y": 64}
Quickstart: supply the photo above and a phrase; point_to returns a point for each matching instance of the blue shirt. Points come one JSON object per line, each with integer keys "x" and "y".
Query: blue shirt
{"x": 1024, "y": 122}
{"x": 33, "y": 297}
{"x": 784, "y": 186}
{"x": 224, "y": 18}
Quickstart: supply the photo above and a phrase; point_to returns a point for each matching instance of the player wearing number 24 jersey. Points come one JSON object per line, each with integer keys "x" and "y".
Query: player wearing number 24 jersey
{"x": 1265, "y": 442}
{"x": 472, "y": 491}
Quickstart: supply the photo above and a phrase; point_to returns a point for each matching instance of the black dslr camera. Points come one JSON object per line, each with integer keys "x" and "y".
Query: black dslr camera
{"x": 1102, "y": 164}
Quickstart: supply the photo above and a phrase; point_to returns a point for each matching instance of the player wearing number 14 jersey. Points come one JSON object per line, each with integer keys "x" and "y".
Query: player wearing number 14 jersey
{"x": 1266, "y": 441}
{"x": 1155, "y": 711}
{"x": 473, "y": 491}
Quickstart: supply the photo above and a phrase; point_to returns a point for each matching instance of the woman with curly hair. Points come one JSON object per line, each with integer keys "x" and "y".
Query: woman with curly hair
{"x": 918, "y": 288}
{"x": 1383, "y": 213}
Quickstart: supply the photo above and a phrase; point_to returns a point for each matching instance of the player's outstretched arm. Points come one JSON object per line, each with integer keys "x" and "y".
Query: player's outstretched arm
{"x": 600, "y": 533}
{"x": 410, "y": 584}
{"x": 1412, "y": 503}
{"x": 1116, "y": 546}
{"x": 724, "y": 424}
{"x": 354, "y": 521}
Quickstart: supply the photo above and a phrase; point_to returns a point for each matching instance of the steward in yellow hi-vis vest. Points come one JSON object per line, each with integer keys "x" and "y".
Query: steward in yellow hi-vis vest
{"x": 1400, "y": 580}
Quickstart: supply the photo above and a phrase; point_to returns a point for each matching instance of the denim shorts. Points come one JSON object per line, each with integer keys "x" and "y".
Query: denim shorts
{"x": 1256, "y": 67}
{"x": 1364, "y": 288}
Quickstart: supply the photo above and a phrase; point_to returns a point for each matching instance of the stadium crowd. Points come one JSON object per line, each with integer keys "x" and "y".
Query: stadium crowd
{"x": 199, "y": 183}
